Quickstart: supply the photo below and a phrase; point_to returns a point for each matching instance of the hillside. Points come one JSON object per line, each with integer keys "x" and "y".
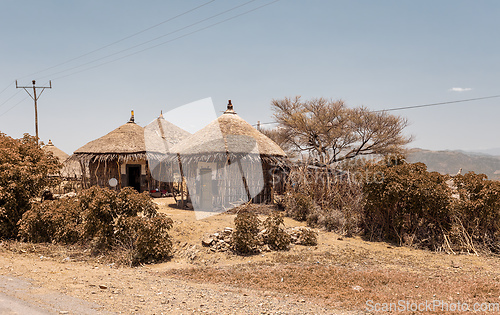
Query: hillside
{"x": 449, "y": 162}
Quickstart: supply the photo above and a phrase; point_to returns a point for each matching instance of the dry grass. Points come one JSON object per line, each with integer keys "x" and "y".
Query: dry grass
{"x": 349, "y": 277}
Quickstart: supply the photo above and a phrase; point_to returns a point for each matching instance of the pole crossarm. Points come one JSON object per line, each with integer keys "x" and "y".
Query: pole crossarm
{"x": 35, "y": 99}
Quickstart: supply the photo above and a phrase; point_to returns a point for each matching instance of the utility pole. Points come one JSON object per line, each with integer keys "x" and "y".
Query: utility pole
{"x": 35, "y": 98}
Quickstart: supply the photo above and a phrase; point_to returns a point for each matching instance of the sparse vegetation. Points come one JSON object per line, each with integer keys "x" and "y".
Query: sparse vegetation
{"x": 104, "y": 220}
{"x": 329, "y": 131}
{"x": 324, "y": 197}
{"x": 245, "y": 236}
{"x": 274, "y": 233}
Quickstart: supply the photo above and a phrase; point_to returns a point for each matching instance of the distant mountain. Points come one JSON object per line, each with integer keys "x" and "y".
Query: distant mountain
{"x": 449, "y": 162}
{"x": 493, "y": 151}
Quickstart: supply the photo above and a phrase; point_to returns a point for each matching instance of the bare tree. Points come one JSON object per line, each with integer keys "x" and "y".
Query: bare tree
{"x": 331, "y": 132}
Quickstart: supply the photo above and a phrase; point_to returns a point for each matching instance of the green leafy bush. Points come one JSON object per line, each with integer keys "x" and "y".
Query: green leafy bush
{"x": 274, "y": 233}
{"x": 245, "y": 236}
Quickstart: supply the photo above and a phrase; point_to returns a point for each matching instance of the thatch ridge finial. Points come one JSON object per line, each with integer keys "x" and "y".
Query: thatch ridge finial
{"x": 132, "y": 119}
{"x": 229, "y": 109}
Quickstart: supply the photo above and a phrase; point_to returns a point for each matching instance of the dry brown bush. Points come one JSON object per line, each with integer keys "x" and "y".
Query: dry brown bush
{"x": 245, "y": 236}
{"x": 274, "y": 232}
{"x": 325, "y": 198}
{"x": 105, "y": 221}
{"x": 24, "y": 174}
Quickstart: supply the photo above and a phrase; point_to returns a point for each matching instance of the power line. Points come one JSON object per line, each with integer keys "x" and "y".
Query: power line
{"x": 412, "y": 107}
{"x": 122, "y": 39}
{"x": 149, "y": 41}
{"x": 171, "y": 40}
{"x": 435, "y": 104}
{"x": 9, "y": 98}
{"x": 8, "y": 110}
{"x": 6, "y": 87}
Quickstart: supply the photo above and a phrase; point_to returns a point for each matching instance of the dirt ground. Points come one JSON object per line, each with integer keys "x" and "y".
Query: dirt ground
{"x": 340, "y": 275}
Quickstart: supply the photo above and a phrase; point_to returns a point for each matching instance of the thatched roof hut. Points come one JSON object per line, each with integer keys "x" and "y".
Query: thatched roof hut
{"x": 160, "y": 136}
{"x": 124, "y": 143}
{"x": 229, "y": 162}
{"x": 229, "y": 134}
{"x": 56, "y": 152}
{"x": 70, "y": 168}
{"x": 122, "y": 155}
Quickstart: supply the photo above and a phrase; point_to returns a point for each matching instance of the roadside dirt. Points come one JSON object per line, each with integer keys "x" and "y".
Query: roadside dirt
{"x": 337, "y": 276}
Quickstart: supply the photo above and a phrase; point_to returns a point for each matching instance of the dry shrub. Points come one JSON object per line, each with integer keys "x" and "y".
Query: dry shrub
{"x": 257, "y": 208}
{"x": 24, "y": 174}
{"x": 105, "y": 221}
{"x": 410, "y": 206}
{"x": 274, "y": 233}
{"x": 52, "y": 221}
{"x": 476, "y": 214}
{"x": 298, "y": 205}
{"x": 98, "y": 210}
{"x": 144, "y": 240}
{"x": 245, "y": 236}
{"x": 324, "y": 197}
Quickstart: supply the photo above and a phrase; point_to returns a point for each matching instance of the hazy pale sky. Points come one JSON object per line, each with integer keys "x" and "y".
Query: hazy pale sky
{"x": 380, "y": 54}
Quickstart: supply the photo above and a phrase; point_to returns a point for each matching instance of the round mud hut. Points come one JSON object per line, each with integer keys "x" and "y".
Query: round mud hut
{"x": 229, "y": 162}
{"x": 122, "y": 155}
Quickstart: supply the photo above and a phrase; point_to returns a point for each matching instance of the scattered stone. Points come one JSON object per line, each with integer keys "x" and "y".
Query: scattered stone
{"x": 63, "y": 312}
{"x": 102, "y": 287}
{"x": 207, "y": 242}
{"x": 357, "y": 288}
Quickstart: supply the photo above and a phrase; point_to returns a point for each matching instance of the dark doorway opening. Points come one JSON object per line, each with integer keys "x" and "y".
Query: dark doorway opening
{"x": 134, "y": 176}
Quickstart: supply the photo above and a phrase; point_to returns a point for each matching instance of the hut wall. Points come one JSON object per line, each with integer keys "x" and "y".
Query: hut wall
{"x": 101, "y": 172}
{"x": 229, "y": 187}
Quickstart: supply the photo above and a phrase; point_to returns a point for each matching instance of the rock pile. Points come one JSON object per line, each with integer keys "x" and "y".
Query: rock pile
{"x": 302, "y": 235}
{"x": 219, "y": 242}
{"x": 222, "y": 241}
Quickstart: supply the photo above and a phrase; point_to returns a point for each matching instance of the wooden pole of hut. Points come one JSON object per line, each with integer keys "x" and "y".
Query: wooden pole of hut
{"x": 182, "y": 180}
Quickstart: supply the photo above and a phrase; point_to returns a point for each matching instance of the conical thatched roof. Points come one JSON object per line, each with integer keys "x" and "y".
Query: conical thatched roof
{"x": 161, "y": 135}
{"x": 126, "y": 139}
{"x": 58, "y": 153}
{"x": 127, "y": 142}
{"x": 70, "y": 168}
{"x": 228, "y": 134}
